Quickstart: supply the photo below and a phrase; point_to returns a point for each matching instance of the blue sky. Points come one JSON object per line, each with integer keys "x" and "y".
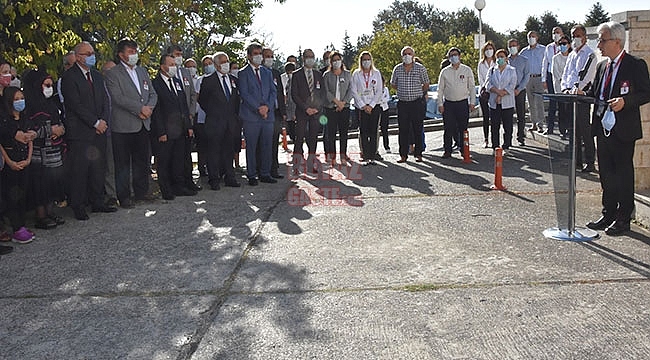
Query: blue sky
{"x": 286, "y": 26}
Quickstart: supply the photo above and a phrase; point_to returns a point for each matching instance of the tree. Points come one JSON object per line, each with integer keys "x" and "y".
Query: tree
{"x": 596, "y": 16}
{"x": 349, "y": 51}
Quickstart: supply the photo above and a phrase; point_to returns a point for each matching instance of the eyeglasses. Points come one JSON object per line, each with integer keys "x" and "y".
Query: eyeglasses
{"x": 86, "y": 54}
{"x": 564, "y": 43}
{"x": 600, "y": 40}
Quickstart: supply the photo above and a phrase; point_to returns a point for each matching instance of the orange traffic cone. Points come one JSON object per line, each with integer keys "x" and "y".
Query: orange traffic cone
{"x": 466, "y": 158}
{"x": 498, "y": 170}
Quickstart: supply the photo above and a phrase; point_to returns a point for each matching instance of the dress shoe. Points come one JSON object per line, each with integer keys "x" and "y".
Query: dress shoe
{"x": 127, "y": 204}
{"x": 418, "y": 158}
{"x": 587, "y": 168}
{"x": 277, "y": 176}
{"x": 618, "y": 228}
{"x": 232, "y": 183}
{"x": 601, "y": 224}
{"x": 446, "y": 155}
{"x": 195, "y": 187}
{"x": 168, "y": 196}
{"x": 45, "y": 223}
{"x": 378, "y": 157}
{"x": 215, "y": 186}
{"x": 522, "y": 143}
{"x": 268, "y": 180}
{"x": 402, "y": 160}
{"x": 183, "y": 191}
{"x": 252, "y": 182}
{"x": 57, "y": 219}
{"x": 104, "y": 209}
{"x": 80, "y": 214}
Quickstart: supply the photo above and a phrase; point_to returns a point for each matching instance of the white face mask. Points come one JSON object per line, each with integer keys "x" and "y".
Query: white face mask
{"x": 532, "y": 41}
{"x": 556, "y": 37}
{"x": 225, "y": 68}
{"x": 234, "y": 72}
{"x": 268, "y": 62}
{"x": 513, "y": 50}
{"x": 366, "y": 64}
{"x": 172, "y": 71}
{"x": 257, "y": 59}
{"x": 310, "y": 62}
{"x": 133, "y": 59}
{"x": 48, "y": 92}
{"x": 178, "y": 60}
{"x": 192, "y": 71}
{"x": 336, "y": 64}
{"x": 489, "y": 53}
{"x": 407, "y": 59}
{"x": 326, "y": 62}
{"x": 576, "y": 43}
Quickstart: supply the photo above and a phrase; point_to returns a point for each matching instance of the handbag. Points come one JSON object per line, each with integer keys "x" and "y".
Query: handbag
{"x": 484, "y": 95}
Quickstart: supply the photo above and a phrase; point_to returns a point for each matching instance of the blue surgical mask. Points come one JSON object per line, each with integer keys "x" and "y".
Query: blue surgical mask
{"x": 91, "y": 60}
{"x": 501, "y": 61}
{"x": 564, "y": 48}
{"x": 608, "y": 121}
{"x": 19, "y": 105}
{"x": 455, "y": 59}
{"x": 209, "y": 69}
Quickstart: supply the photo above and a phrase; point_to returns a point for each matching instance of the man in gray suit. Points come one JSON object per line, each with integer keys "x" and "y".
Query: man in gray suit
{"x": 183, "y": 74}
{"x": 132, "y": 101}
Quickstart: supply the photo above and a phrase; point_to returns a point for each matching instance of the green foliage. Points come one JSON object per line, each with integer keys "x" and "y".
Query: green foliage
{"x": 34, "y": 32}
{"x": 597, "y": 15}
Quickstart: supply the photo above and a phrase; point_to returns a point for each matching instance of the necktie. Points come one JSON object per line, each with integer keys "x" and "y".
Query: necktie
{"x": 90, "y": 81}
{"x": 608, "y": 80}
{"x": 310, "y": 80}
{"x": 257, "y": 74}
{"x": 171, "y": 86}
{"x": 225, "y": 88}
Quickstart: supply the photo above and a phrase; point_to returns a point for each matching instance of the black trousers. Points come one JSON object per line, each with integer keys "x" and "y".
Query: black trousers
{"x": 485, "y": 109}
{"x": 187, "y": 162}
{"x": 616, "y": 168}
{"x": 583, "y": 135}
{"x": 368, "y": 124}
{"x": 455, "y": 120}
{"x": 410, "y": 118}
{"x": 337, "y": 121}
{"x": 169, "y": 157}
{"x": 201, "y": 143}
{"x": 87, "y": 166}
{"x": 498, "y": 117}
{"x": 220, "y": 152}
{"x": 14, "y": 195}
{"x": 384, "y": 128}
{"x": 132, "y": 155}
{"x": 520, "y": 107}
{"x": 306, "y": 130}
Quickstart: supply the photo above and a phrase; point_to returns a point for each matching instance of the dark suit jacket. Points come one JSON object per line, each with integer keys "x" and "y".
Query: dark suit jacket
{"x": 83, "y": 106}
{"x": 631, "y": 78}
{"x": 221, "y": 114}
{"x": 282, "y": 105}
{"x": 301, "y": 95}
{"x": 171, "y": 116}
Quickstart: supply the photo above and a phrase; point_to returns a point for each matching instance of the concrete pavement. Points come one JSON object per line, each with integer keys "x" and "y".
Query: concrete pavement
{"x": 394, "y": 261}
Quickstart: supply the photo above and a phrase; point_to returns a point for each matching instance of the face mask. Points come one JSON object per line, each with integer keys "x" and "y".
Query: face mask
{"x": 608, "y": 121}
{"x": 366, "y": 64}
{"x": 564, "y": 48}
{"x": 257, "y": 59}
{"x": 556, "y": 37}
{"x": 91, "y": 60}
{"x": 268, "y": 62}
{"x": 172, "y": 71}
{"x": 192, "y": 71}
{"x": 225, "y": 67}
{"x": 532, "y": 41}
{"x": 455, "y": 59}
{"x": 310, "y": 62}
{"x": 326, "y": 63}
{"x": 209, "y": 69}
{"x": 513, "y": 50}
{"x": 489, "y": 53}
{"x": 19, "y": 105}
{"x": 48, "y": 92}
{"x": 576, "y": 43}
{"x": 5, "y": 80}
{"x": 178, "y": 60}
{"x": 235, "y": 72}
{"x": 133, "y": 59}
{"x": 336, "y": 64}
{"x": 501, "y": 61}
{"x": 407, "y": 59}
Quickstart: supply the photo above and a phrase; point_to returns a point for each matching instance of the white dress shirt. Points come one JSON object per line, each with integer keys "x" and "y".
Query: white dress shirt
{"x": 134, "y": 75}
{"x": 456, "y": 84}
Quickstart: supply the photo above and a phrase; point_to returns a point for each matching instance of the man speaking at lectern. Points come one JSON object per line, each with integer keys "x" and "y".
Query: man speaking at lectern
{"x": 621, "y": 86}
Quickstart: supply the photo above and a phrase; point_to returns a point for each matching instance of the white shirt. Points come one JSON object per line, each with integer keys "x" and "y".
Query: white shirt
{"x": 551, "y": 50}
{"x": 456, "y": 84}
{"x": 366, "y": 88}
{"x": 557, "y": 69}
{"x": 385, "y": 96}
{"x": 483, "y": 68}
{"x": 576, "y": 62}
{"x": 169, "y": 86}
{"x": 134, "y": 76}
{"x": 617, "y": 64}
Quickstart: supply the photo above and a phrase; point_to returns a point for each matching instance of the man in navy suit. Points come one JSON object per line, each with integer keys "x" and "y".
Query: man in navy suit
{"x": 280, "y": 111}
{"x": 258, "y": 95}
{"x": 170, "y": 124}
{"x": 87, "y": 110}
{"x": 621, "y": 85}
{"x": 219, "y": 98}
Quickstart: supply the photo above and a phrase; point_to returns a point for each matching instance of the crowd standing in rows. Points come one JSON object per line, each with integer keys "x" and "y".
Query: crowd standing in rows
{"x": 101, "y": 128}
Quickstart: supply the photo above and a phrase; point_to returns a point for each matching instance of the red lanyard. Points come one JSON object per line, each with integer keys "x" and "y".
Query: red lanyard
{"x": 366, "y": 78}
